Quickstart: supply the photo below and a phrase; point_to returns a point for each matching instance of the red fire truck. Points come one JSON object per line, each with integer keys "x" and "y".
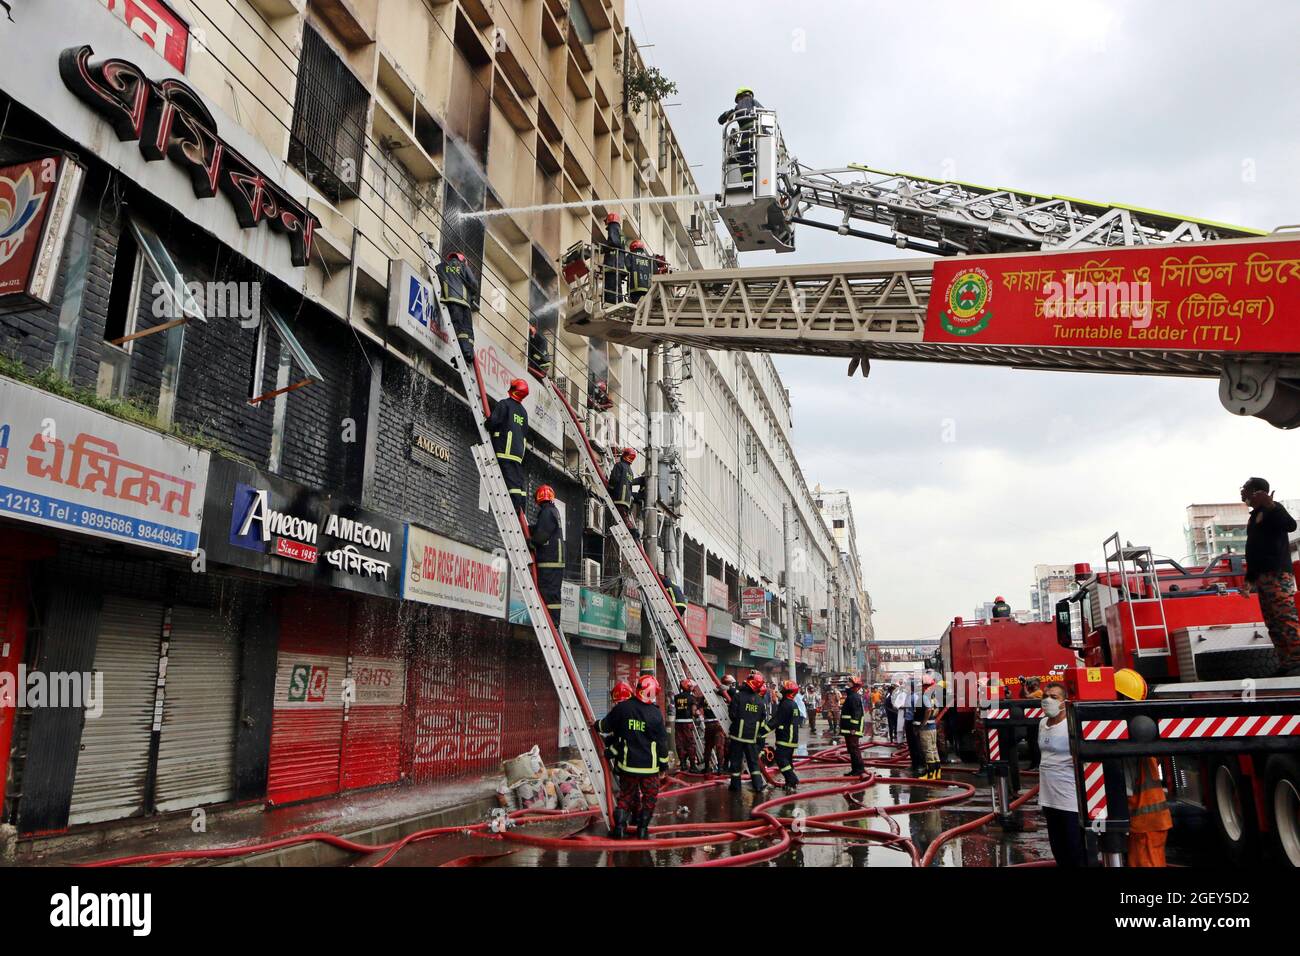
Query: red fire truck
{"x": 1005, "y": 652}
{"x": 1226, "y": 732}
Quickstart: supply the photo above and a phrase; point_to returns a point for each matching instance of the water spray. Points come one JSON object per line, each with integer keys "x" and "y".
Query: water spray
{"x": 583, "y": 204}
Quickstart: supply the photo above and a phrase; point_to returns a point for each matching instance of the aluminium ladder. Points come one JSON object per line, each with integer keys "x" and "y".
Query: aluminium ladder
{"x": 574, "y": 705}
{"x": 680, "y": 656}
{"x": 1139, "y": 580}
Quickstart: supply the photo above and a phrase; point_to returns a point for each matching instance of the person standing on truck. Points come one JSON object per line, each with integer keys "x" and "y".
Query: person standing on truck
{"x": 1057, "y": 793}
{"x": 1268, "y": 572}
{"x": 1001, "y": 609}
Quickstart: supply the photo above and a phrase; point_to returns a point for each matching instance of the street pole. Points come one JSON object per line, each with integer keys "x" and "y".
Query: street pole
{"x": 788, "y": 623}
{"x": 650, "y": 512}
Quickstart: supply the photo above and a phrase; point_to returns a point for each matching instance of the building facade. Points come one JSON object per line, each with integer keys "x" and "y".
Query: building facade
{"x": 235, "y": 480}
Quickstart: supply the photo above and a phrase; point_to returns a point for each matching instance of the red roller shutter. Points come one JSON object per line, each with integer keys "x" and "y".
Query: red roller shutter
{"x": 307, "y": 722}
{"x": 13, "y": 638}
{"x": 372, "y": 733}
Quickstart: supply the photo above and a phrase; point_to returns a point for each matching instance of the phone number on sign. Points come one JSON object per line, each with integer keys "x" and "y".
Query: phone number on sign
{"x": 127, "y": 528}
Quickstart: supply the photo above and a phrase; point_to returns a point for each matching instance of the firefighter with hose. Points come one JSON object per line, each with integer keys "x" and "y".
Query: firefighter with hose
{"x": 641, "y": 746}
{"x": 852, "y": 715}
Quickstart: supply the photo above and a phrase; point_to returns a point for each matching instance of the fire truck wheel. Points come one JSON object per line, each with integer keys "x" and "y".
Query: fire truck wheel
{"x": 1283, "y": 795}
{"x": 1236, "y": 663}
{"x": 1233, "y": 811}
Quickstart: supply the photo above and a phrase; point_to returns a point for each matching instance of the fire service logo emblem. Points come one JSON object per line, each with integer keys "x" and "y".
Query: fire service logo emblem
{"x": 967, "y": 301}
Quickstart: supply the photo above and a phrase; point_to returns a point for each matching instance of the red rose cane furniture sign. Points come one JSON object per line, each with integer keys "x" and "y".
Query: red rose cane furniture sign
{"x": 1234, "y": 296}
{"x": 169, "y": 120}
{"x": 36, "y": 201}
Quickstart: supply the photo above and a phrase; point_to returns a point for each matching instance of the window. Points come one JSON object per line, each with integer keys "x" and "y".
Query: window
{"x": 329, "y": 120}
{"x": 838, "y": 522}
{"x": 124, "y": 294}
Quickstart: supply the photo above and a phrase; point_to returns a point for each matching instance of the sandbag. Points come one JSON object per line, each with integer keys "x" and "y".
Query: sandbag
{"x": 524, "y": 766}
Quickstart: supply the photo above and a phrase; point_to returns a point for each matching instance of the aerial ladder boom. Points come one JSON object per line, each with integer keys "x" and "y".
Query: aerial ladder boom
{"x": 880, "y": 309}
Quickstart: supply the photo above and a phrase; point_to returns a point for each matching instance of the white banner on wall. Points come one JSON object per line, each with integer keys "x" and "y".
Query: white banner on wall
{"x": 438, "y": 570}
{"x": 545, "y": 414}
{"x": 68, "y": 466}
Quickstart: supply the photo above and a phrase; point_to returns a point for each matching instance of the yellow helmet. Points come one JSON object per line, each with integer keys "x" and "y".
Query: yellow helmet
{"x": 744, "y": 91}
{"x": 1129, "y": 683}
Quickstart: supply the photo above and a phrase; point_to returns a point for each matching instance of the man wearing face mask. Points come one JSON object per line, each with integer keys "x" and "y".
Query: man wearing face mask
{"x": 1057, "y": 794}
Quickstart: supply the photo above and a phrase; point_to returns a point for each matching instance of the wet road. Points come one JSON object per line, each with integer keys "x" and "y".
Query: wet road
{"x": 988, "y": 846}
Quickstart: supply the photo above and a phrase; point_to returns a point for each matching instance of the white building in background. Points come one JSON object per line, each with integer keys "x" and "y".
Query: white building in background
{"x": 837, "y": 509}
{"x": 1052, "y": 583}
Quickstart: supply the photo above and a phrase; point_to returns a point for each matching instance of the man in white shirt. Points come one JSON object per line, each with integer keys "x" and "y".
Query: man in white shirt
{"x": 1057, "y": 792}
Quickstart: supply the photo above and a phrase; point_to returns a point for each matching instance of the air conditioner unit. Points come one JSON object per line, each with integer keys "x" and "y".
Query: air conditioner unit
{"x": 595, "y": 516}
{"x": 590, "y": 573}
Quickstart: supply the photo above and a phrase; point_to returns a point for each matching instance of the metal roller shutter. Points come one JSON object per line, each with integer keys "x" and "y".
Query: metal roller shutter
{"x": 593, "y": 671}
{"x": 196, "y": 752}
{"x": 372, "y": 736}
{"x": 13, "y": 641}
{"x": 113, "y": 764}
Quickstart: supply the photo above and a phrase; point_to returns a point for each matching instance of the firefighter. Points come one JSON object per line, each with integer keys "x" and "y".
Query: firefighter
{"x": 1269, "y": 572}
{"x": 715, "y": 738}
{"x": 661, "y": 264}
{"x": 598, "y": 394}
{"x": 1148, "y": 807}
{"x": 679, "y": 598}
{"x": 851, "y": 720}
{"x": 638, "y": 270}
{"x": 539, "y": 353}
{"x": 620, "y": 692}
{"x": 742, "y": 157}
{"x": 927, "y": 726}
{"x": 684, "y": 725}
{"x": 1001, "y": 609}
{"x": 641, "y": 744}
{"x": 508, "y": 424}
{"x": 460, "y": 295}
{"x": 621, "y": 485}
{"x": 615, "y": 259}
{"x": 748, "y": 727}
{"x": 546, "y": 537}
{"x": 786, "y": 730}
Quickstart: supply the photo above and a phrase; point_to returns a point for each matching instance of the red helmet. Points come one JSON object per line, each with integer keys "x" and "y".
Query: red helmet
{"x": 999, "y": 599}
{"x": 754, "y": 682}
{"x": 687, "y": 683}
{"x": 518, "y": 389}
{"x": 621, "y": 692}
{"x": 789, "y": 688}
{"x": 455, "y": 256}
{"x": 629, "y": 455}
{"x": 647, "y": 688}
{"x": 613, "y": 217}
{"x": 637, "y": 244}
{"x": 545, "y": 493}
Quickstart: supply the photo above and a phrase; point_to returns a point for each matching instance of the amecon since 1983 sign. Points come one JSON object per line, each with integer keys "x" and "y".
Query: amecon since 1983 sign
{"x": 259, "y": 521}
{"x": 68, "y": 466}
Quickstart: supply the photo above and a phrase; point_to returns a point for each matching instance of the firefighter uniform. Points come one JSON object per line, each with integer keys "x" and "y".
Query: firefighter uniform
{"x": 1001, "y": 610}
{"x": 508, "y": 425}
{"x": 684, "y": 728}
{"x": 539, "y": 355}
{"x": 641, "y": 754}
{"x": 621, "y": 485}
{"x": 639, "y": 269}
{"x": 748, "y": 727}
{"x": 460, "y": 294}
{"x": 715, "y": 738}
{"x": 679, "y": 599}
{"x": 547, "y": 537}
{"x": 851, "y": 719}
{"x": 786, "y": 730}
{"x": 615, "y": 263}
{"x": 744, "y": 154}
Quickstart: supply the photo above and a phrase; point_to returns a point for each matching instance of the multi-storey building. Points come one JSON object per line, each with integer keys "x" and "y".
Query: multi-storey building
{"x": 1052, "y": 582}
{"x": 233, "y": 448}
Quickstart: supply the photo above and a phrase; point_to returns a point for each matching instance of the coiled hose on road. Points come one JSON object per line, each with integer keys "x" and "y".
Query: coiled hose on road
{"x": 762, "y": 823}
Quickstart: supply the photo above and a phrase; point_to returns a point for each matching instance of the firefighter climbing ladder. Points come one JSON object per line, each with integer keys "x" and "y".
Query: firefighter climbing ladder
{"x": 681, "y": 658}
{"x": 574, "y": 705}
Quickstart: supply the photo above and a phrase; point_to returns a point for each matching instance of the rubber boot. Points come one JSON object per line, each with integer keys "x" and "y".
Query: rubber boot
{"x": 932, "y": 771}
{"x": 791, "y": 781}
{"x": 756, "y": 784}
{"x": 620, "y": 825}
{"x": 643, "y": 825}
{"x": 734, "y": 787}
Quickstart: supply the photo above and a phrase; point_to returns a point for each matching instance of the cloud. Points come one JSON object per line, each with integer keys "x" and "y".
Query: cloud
{"x": 1163, "y": 106}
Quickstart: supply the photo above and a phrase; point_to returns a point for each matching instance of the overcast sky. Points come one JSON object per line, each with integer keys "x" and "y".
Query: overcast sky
{"x": 1177, "y": 106}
